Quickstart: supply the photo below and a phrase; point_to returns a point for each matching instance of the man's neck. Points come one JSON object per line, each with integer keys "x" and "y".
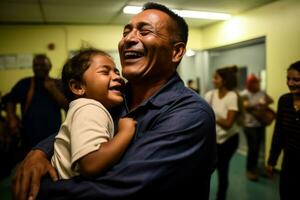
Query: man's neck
{"x": 140, "y": 92}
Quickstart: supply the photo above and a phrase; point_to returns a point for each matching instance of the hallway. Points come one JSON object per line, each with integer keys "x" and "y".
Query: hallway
{"x": 240, "y": 188}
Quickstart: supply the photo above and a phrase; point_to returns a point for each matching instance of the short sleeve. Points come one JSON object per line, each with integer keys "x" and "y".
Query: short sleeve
{"x": 91, "y": 126}
{"x": 232, "y": 101}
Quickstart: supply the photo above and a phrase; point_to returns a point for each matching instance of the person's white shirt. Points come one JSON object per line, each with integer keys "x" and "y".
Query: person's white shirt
{"x": 221, "y": 106}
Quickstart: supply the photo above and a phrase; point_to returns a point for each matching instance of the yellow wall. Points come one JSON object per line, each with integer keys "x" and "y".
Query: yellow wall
{"x": 29, "y": 39}
{"x": 35, "y": 39}
{"x": 279, "y": 23}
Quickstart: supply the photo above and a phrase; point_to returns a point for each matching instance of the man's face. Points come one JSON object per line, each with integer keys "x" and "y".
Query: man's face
{"x": 147, "y": 46}
{"x": 41, "y": 67}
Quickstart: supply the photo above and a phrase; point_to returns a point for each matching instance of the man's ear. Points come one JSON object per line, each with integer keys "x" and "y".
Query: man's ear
{"x": 76, "y": 87}
{"x": 178, "y": 51}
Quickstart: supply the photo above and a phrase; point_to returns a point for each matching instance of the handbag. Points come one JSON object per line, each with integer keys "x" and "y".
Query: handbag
{"x": 265, "y": 115}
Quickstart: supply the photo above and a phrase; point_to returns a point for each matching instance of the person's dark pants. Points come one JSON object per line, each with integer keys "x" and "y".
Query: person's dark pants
{"x": 290, "y": 176}
{"x": 254, "y": 137}
{"x": 225, "y": 153}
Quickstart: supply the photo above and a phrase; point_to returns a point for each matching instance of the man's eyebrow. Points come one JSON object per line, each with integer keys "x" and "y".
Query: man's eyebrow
{"x": 127, "y": 26}
{"x": 139, "y": 25}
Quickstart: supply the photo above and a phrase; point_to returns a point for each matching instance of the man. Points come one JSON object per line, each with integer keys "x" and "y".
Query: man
{"x": 41, "y": 101}
{"x": 173, "y": 153}
{"x": 191, "y": 85}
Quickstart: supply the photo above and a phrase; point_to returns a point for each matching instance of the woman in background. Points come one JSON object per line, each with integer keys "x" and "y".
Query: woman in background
{"x": 286, "y": 136}
{"x": 224, "y": 101}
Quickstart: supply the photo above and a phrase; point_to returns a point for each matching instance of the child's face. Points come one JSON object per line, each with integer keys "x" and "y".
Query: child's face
{"x": 102, "y": 81}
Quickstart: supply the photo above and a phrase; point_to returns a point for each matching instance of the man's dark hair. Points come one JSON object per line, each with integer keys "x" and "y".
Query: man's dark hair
{"x": 181, "y": 24}
{"x": 295, "y": 66}
{"x": 41, "y": 57}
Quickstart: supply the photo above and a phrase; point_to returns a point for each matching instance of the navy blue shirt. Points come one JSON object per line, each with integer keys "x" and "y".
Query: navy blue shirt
{"x": 173, "y": 153}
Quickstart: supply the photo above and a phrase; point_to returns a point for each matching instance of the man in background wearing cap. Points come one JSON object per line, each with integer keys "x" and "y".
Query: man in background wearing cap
{"x": 253, "y": 98}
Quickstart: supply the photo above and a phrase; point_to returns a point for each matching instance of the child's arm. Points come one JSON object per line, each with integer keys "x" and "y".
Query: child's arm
{"x": 96, "y": 162}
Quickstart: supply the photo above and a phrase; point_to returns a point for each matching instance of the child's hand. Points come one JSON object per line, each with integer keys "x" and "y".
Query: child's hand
{"x": 270, "y": 171}
{"x": 127, "y": 125}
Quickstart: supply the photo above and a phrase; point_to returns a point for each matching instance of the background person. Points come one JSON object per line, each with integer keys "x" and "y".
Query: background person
{"x": 286, "y": 136}
{"x": 191, "y": 85}
{"x": 8, "y": 143}
{"x": 41, "y": 101}
{"x": 253, "y": 98}
{"x": 224, "y": 101}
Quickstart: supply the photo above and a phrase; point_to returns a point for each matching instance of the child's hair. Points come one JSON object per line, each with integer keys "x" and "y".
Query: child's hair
{"x": 76, "y": 66}
{"x": 229, "y": 76}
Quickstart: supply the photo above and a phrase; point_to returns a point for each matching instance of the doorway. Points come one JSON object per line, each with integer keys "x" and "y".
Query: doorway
{"x": 250, "y": 57}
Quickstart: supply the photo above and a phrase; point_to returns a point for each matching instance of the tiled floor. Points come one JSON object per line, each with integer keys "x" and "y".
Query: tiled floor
{"x": 5, "y": 189}
{"x": 239, "y": 189}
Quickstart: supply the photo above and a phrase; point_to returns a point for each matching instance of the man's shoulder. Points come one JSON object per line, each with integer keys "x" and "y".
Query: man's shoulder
{"x": 25, "y": 80}
{"x": 190, "y": 100}
{"x": 22, "y": 84}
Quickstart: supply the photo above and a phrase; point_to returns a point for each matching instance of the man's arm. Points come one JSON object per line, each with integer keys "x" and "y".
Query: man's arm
{"x": 26, "y": 182}
{"x": 277, "y": 141}
{"x": 278, "y": 136}
{"x": 167, "y": 157}
{"x": 52, "y": 87}
{"x": 14, "y": 123}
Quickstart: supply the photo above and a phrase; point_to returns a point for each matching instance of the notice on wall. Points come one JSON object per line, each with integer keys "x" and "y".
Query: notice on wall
{"x": 24, "y": 60}
{"x": 16, "y": 61}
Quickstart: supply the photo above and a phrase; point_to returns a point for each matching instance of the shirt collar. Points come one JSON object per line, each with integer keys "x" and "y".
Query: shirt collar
{"x": 164, "y": 95}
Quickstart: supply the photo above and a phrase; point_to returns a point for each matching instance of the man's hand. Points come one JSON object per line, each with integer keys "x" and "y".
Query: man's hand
{"x": 49, "y": 84}
{"x": 26, "y": 182}
{"x": 54, "y": 91}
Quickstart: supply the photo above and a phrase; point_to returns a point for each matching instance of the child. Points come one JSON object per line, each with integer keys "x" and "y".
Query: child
{"x": 84, "y": 144}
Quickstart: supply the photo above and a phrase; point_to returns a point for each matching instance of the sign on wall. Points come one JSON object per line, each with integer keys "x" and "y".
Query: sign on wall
{"x": 16, "y": 61}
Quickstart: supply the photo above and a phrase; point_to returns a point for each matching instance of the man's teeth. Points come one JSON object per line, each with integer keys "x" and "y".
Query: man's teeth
{"x": 133, "y": 54}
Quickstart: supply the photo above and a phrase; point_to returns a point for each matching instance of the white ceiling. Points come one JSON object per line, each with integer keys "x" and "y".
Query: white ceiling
{"x": 107, "y": 12}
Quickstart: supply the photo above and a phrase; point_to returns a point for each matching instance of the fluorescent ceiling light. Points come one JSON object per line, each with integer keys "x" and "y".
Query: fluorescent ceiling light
{"x": 190, "y": 53}
{"x": 202, "y": 15}
{"x": 132, "y": 9}
{"x": 184, "y": 13}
